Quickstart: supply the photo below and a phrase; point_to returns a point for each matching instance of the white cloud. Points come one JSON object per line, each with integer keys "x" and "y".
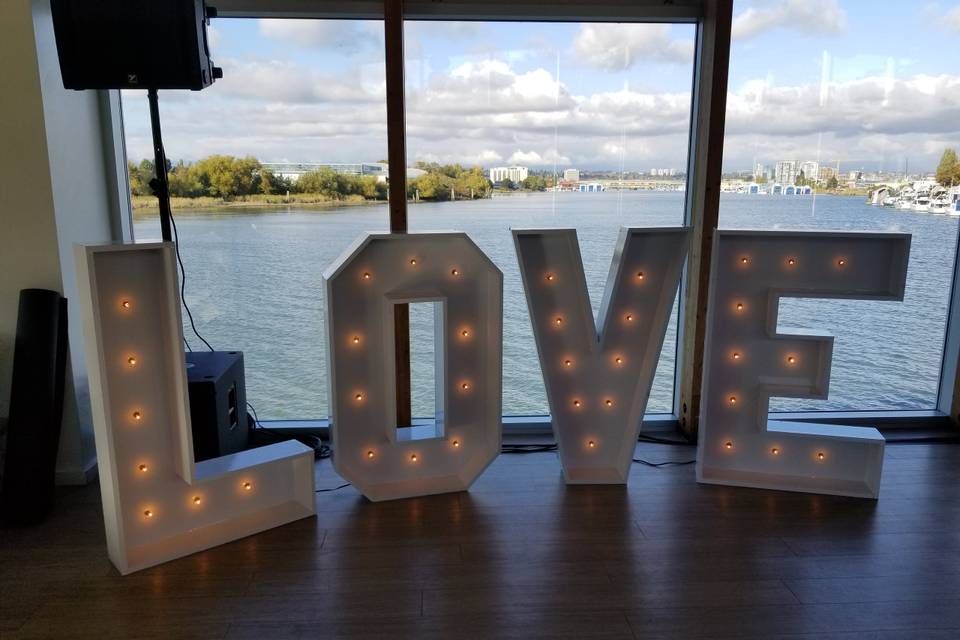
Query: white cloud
{"x": 807, "y": 16}
{"x": 288, "y": 82}
{"x": 952, "y": 20}
{"x": 484, "y": 112}
{"x": 214, "y": 38}
{"x": 549, "y": 156}
{"x": 329, "y": 35}
{"x": 620, "y": 46}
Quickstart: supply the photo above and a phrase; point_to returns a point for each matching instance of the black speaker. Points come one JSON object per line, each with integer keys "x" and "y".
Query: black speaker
{"x": 133, "y": 44}
{"x": 36, "y": 407}
{"x": 218, "y": 403}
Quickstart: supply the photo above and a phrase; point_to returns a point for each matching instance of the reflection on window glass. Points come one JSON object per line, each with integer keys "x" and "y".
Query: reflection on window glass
{"x": 842, "y": 115}
{"x": 277, "y": 168}
{"x": 513, "y": 125}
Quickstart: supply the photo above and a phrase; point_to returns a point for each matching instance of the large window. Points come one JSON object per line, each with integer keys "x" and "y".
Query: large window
{"x": 514, "y": 124}
{"x": 579, "y": 125}
{"x": 301, "y": 101}
{"x": 838, "y": 115}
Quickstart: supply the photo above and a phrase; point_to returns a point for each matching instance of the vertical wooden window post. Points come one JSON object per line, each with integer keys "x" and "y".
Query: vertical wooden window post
{"x": 703, "y": 193}
{"x": 397, "y": 158}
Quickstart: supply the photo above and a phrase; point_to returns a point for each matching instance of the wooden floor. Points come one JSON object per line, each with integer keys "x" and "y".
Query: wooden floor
{"x": 523, "y": 556}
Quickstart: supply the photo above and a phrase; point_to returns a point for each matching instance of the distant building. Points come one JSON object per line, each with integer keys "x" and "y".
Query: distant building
{"x": 571, "y": 175}
{"x": 786, "y": 172}
{"x": 663, "y": 172}
{"x": 826, "y": 173}
{"x": 811, "y": 170}
{"x": 515, "y": 174}
{"x": 761, "y": 171}
{"x": 590, "y": 187}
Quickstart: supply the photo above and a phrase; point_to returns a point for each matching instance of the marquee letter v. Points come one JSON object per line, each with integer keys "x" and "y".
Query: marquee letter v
{"x": 598, "y": 383}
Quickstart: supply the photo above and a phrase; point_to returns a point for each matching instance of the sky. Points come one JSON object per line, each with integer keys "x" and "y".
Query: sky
{"x": 868, "y": 84}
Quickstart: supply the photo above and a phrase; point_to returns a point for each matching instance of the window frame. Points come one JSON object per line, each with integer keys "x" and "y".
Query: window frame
{"x": 695, "y": 277}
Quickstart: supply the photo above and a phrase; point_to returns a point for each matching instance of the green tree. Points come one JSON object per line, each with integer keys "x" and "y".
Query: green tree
{"x": 535, "y": 183}
{"x": 138, "y": 186}
{"x": 434, "y": 186}
{"x": 183, "y": 181}
{"x": 507, "y": 183}
{"x": 228, "y": 177}
{"x": 473, "y": 183}
{"x": 832, "y": 182}
{"x": 948, "y": 171}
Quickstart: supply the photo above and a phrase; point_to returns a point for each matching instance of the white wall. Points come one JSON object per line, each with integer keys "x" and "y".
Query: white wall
{"x": 57, "y": 191}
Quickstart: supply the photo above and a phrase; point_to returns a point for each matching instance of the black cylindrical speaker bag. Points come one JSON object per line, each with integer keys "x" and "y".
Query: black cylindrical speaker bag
{"x": 36, "y": 407}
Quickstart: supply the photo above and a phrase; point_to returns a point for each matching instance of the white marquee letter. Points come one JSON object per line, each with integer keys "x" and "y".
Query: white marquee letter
{"x": 363, "y": 286}
{"x": 157, "y": 503}
{"x": 747, "y": 361}
{"x": 598, "y": 385}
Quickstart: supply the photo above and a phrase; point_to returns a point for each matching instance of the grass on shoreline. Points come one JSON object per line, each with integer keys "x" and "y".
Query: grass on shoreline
{"x": 148, "y": 204}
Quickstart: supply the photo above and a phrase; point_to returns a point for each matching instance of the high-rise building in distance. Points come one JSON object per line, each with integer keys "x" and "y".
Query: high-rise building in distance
{"x": 515, "y": 174}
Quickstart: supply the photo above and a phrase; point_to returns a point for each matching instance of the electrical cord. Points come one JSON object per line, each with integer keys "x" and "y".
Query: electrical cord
{"x": 333, "y": 488}
{"x": 320, "y": 450}
{"x": 183, "y": 284}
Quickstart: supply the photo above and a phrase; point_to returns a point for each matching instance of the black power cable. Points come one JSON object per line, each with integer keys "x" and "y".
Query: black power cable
{"x": 183, "y": 286}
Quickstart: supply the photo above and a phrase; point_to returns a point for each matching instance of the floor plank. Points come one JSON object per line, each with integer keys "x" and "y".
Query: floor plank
{"x": 522, "y": 555}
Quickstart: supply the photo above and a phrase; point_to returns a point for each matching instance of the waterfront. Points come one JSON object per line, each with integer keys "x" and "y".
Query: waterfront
{"x": 254, "y": 283}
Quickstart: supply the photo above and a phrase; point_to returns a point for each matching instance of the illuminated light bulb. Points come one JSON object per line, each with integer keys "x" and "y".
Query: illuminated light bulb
{"x": 791, "y": 261}
{"x": 465, "y": 333}
{"x": 456, "y": 443}
{"x": 126, "y": 304}
{"x": 577, "y": 403}
{"x": 591, "y": 444}
{"x": 640, "y": 275}
{"x": 247, "y": 486}
{"x": 366, "y": 275}
{"x": 629, "y": 317}
{"x": 454, "y": 271}
{"x": 791, "y": 360}
{"x": 821, "y": 455}
{"x": 739, "y": 306}
{"x": 413, "y": 262}
{"x": 568, "y": 363}
{"x": 465, "y": 386}
{"x": 142, "y": 468}
{"x": 608, "y": 402}
{"x": 558, "y": 321}
{"x": 775, "y": 451}
{"x": 370, "y": 453}
{"x": 148, "y": 513}
{"x": 356, "y": 340}
{"x": 358, "y": 397}
{"x": 136, "y": 415}
{"x": 132, "y": 361}
{"x": 736, "y": 356}
{"x": 413, "y": 457}
{"x": 744, "y": 260}
{"x": 728, "y": 445}
{"x": 618, "y": 360}
{"x": 550, "y": 277}
{"x": 841, "y": 262}
{"x": 197, "y": 500}
{"x": 732, "y": 399}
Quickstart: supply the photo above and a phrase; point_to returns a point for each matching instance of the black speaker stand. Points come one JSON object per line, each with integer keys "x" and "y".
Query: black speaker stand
{"x": 159, "y": 185}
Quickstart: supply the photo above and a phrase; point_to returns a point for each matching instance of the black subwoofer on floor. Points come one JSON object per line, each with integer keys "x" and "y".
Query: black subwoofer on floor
{"x": 218, "y": 403}
{"x": 36, "y": 407}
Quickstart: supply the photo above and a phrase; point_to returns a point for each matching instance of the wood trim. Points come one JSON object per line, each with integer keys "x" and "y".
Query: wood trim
{"x": 703, "y": 198}
{"x": 397, "y": 158}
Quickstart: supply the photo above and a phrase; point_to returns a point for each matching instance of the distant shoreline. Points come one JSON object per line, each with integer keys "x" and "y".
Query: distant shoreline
{"x": 147, "y": 205}
{"x": 144, "y": 206}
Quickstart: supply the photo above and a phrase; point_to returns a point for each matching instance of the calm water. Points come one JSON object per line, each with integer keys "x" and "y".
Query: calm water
{"x": 254, "y": 283}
